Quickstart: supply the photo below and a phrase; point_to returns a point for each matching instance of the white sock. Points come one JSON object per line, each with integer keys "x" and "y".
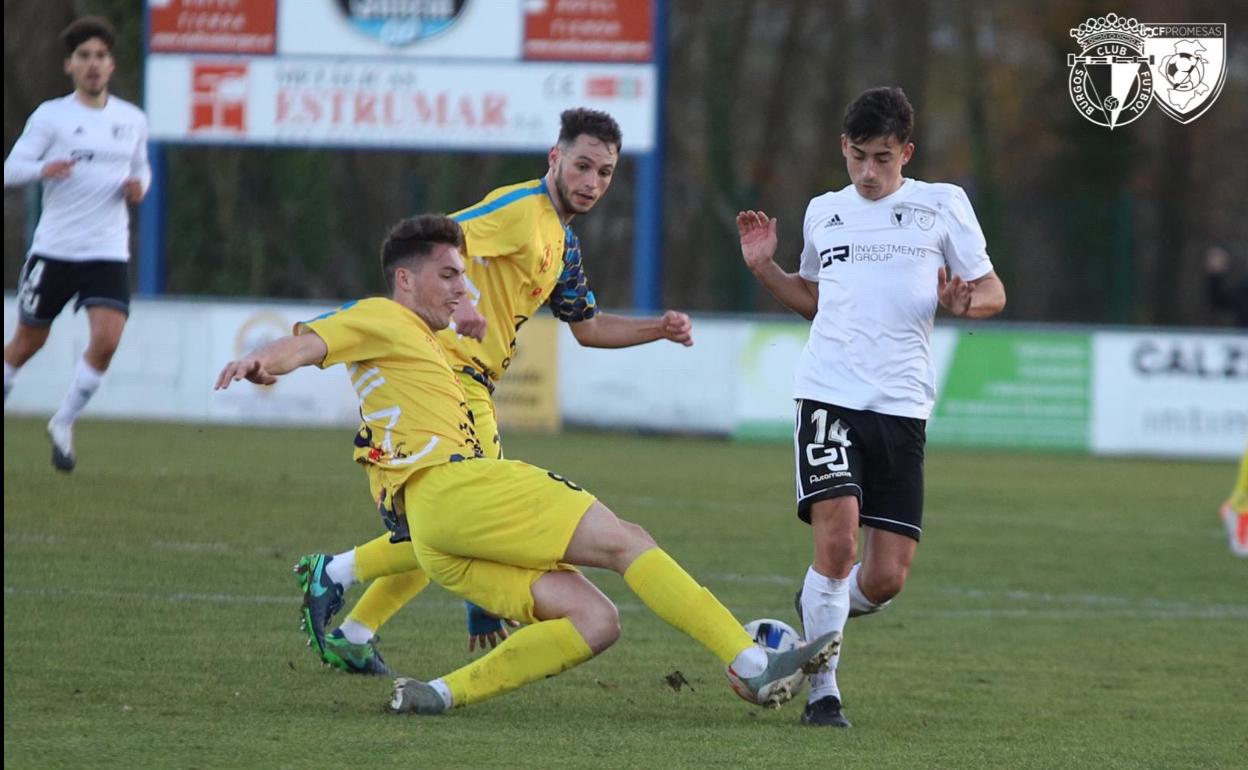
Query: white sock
{"x": 751, "y": 661}
{"x": 10, "y": 372}
{"x": 341, "y": 570}
{"x": 444, "y": 691}
{"x": 825, "y": 607}
{"x": 859, "y": 604}
{"x": 355, "y": 631}
{"x": 86, "y": 382}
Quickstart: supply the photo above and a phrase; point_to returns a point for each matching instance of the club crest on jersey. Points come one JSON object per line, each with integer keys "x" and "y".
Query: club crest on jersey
{"x": 398, "y": 23}
{"x": 1125, "y": 65}
{"x": 905, "y": 215}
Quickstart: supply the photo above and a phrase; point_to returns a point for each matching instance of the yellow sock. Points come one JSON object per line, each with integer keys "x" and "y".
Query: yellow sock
{"x": 386, "y": 596}
{"x": 380, "y": 557}
{"x": 531, "y": 653}
{"x": 1239, "y": 495}
{"x": 676, "y": 597}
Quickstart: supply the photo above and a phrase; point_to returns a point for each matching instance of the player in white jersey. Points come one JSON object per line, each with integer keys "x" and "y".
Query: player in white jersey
{"x": 877, "y": 259}
{"x": 90, "y": 150}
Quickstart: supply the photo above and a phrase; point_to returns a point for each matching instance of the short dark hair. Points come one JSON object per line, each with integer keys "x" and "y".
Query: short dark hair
{"x": 881, "y": 111}
{"x": 412, "y": 241}
{"x": 595, "y": 123}
{"x": 83, "y": 29}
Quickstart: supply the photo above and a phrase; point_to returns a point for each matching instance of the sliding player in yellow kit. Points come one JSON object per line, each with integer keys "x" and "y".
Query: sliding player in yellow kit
{"x": 1234, "y": 511}
{"x": 521, "y": 254}
{"x": 501, "y": 533}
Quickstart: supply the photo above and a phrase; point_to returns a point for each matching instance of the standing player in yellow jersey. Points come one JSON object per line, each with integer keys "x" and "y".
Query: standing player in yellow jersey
{"x": 523, "y": 254}
{"x": 500, "y": 533}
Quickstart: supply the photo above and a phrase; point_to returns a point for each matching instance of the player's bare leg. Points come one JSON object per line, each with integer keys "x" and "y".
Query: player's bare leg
{"x": 107, "y": 324}
{"x": 824, "y": 598}
{"x": 606, "y": 541}
{"x": 27, "y": 341}
{"x": 576, "y": 622}
{"x": 883, "y": 571}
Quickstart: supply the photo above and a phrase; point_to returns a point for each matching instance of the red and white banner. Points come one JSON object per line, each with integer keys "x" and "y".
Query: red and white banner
{"x": 605, "y": 30}
{"x": 364, "y": 102}
{"x": 213, "y": 26}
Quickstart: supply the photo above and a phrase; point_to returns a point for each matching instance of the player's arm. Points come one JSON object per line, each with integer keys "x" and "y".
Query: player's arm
{"x": 265, "y": 364}
{"x": 605, "y": 330}
{"x": 758, "y": 249}
{"x": 25, "y": 162}
{"x": 981, "y": 298}
{"x": 135, "y": 186}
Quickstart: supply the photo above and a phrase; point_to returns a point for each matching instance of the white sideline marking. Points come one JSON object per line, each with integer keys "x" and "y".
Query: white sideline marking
{"x": 1098, "y": 607}
{"x": 1075, "y": 606}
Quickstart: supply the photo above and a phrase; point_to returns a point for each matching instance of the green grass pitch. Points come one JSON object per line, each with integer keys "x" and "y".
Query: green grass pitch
{"x": 1063, "y": 612}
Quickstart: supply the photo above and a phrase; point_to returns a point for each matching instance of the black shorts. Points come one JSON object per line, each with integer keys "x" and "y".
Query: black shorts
{"x": 876, "y": 457}
{"x": 46, "y": 284}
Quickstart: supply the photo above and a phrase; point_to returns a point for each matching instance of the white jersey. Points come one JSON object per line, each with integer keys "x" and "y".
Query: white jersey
{"x": 876, "y": 263}
{"x": 85, "y": 215}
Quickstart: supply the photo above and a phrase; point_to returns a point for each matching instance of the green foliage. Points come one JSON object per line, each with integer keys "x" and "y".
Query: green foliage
{"x": 1063, "y": 612}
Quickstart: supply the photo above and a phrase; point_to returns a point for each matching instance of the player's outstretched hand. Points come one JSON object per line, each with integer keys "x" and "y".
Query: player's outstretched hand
{"x": 485, "y": 630}
{"x": 249, "y": 369}
{"x": 758, "y": 238}
{"x": 468, "y": 321}
{"x": 57, "y": 169}
{"x": 132, "y": 190}
{"x": 955, "y": 295}
{"x": 677, "y": 327}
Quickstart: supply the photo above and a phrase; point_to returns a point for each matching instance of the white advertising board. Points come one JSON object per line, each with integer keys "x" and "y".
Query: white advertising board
{"x": 169, "y": 357}
{"x": 309, "y": 101}
{"x": 1169, "y": 394}
{"x": 661, "y": 386}
{"x": 478, "y": 30}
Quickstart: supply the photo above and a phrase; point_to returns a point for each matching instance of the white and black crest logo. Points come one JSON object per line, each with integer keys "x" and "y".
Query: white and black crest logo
{"x": 1190, "y": 62}
{"x": 1125, "y": 65}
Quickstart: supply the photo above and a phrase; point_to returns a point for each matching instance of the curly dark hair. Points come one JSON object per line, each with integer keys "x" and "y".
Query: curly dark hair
{"x": 83, "y": 29}
{"x": 595, "y": 123}
{"x": 412, "y": 240}
{"x": 881, "y": 111}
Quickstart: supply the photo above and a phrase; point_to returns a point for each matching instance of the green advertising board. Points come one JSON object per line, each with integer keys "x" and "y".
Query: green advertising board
{"x": 1015, "y": 389}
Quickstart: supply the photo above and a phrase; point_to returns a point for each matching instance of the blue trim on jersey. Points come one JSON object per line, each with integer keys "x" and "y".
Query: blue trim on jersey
{"x": 322, "y": 316}
{"x": 499, "y": 202}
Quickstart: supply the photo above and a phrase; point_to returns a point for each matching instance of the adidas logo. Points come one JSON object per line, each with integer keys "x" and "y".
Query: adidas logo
{"x": 835, "y": 221}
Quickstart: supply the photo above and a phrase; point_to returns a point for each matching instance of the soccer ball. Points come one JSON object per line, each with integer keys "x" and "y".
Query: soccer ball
{"x": 774, "y": 635}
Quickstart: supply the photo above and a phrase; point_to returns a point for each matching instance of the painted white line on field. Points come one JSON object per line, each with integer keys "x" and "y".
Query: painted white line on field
{"x": 39, "y": 538}
{"x": 1117, "y": 608}
{"x": 1003, "y": 519}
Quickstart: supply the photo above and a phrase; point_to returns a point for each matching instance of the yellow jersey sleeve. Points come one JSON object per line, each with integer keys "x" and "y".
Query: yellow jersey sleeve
{"x": 353, "y": 332}
{"x": 501, "y": 224}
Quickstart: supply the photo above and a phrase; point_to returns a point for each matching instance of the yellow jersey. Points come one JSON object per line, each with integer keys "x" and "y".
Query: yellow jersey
{"x": 412, "y": 407}
{"x": 519, "y": 257}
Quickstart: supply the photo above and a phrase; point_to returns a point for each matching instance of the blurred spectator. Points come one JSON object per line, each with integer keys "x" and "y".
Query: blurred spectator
{"x": 1226, "y": 289}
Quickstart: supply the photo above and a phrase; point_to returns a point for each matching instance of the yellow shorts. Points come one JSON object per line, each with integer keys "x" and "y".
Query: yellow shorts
{"x": 488, "y": 529}
{"x": 484, "y": 416}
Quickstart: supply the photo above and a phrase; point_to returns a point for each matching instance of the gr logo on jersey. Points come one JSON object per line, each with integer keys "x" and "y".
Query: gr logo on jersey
{"x": 1125, "y": 65}
{"x": 399, "y": 23}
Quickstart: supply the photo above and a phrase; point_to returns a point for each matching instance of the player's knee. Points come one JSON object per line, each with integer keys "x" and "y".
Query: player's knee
{"x": 637, "y": 536}
{"x": 883, "y": 587}
{"x": 24, "y": 346}
{"x": 836, "y": 557}
{"x": 100, "y": 352}
{"x": 598, "y": 623}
